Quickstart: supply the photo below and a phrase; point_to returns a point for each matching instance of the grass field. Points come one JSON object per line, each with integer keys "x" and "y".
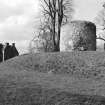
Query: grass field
{"x": 75, "y": 78}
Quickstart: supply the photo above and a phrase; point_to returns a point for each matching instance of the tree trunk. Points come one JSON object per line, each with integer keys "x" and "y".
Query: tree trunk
{"x": 58, "y": 37}
{"x": 56, "y": 48}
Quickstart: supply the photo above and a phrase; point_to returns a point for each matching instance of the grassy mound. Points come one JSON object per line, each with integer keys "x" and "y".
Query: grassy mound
{"x": 77, "y": 78}
{"x": 81, "y": 64}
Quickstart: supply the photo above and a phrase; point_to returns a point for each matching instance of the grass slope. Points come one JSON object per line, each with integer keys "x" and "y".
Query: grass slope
{"x": 77, "y": 78}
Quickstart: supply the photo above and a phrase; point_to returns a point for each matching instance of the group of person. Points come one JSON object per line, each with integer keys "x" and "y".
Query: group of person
{"x": 8, "y": 51}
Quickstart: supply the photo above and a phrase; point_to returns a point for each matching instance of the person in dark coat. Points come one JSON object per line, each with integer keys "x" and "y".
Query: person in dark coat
{"x": 14, "y": 50}
{"x": 7, "y": 52}
{"x": 1, "y": 53}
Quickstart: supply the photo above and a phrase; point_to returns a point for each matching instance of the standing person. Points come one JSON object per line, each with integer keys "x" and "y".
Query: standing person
{"x": 14, "y": 50}
{"x": 1, "y": 53}
{"x": 7, "y": 52}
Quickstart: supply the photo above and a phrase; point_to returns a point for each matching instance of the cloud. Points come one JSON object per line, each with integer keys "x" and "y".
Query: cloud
{"x": 16, "y": 7}
{"x": 6, "y": 10}
{"x": 87, "y": 9}
{"x": 15, "y": 28}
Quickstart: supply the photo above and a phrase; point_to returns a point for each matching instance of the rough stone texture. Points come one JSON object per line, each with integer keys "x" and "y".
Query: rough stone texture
{"x": 78, "y": 35}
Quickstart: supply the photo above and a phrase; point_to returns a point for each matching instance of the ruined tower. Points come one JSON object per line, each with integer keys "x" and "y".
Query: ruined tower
{"x": 78, "y": 35}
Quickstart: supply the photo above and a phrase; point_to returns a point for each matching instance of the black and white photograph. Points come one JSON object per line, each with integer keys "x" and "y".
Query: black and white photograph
{"x": 52, "y": 52}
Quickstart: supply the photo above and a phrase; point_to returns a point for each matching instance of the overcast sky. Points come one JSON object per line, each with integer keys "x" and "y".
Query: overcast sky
{"x": 19, "y": 17}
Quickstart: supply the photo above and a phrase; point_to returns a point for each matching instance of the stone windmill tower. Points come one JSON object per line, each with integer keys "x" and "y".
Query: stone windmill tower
{"x": 78, "y": 35}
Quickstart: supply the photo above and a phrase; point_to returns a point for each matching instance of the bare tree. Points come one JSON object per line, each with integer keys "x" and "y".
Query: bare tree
{"x": 56, "y": 13}
{"x": 42, "y": 40}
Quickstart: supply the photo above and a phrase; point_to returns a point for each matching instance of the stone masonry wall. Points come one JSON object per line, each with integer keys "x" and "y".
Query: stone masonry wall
{"x": 78, "y": 35}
